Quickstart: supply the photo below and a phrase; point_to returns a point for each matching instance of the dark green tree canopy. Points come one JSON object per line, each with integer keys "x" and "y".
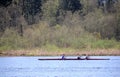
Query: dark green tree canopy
{"x": 5, "y": 3}
{"x": 70, "y": 5}
{"x": 32, "y": 6}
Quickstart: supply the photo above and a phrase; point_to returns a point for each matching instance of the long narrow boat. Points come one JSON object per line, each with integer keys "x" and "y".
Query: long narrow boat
{"x": 97, "y": 59}
{"x": 73, "y": 59}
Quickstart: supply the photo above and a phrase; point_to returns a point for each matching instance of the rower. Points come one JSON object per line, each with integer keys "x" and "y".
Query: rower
{"x": 63, "y": 57}
{"x": 78, "y": 57}
{"x": 87, "y": 57}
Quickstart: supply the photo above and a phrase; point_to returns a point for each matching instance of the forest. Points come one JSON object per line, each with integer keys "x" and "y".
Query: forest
{"x": 59, "y": 24}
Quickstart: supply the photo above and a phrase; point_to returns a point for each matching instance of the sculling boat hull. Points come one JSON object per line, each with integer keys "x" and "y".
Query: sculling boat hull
{"x": 97, "y": 59}
{"x": 73, "y": 59}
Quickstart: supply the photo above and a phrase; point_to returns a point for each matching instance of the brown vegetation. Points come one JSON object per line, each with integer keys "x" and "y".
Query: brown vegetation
{"x": 41, "y": 52}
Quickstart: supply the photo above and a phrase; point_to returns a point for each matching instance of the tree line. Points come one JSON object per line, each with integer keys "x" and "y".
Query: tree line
{"x": 20, "y": 14}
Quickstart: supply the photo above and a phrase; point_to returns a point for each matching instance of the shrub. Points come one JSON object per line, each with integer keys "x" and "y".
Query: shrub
{"x": 12, "y": 40}
{"x": 105, "y": 44}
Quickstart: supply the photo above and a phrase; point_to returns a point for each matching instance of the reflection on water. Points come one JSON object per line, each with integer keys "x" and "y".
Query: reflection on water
{"x": 31, "y": 67}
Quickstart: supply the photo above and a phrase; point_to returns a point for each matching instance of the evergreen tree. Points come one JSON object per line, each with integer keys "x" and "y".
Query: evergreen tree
{"x": 30, "y": 9}
{"x": 70, "y": 5}
{"x": 5, "y": 3}
{"x": 49, "y": 9}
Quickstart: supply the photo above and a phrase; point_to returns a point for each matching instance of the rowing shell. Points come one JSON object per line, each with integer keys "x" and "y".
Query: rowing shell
{"x": 73, "y": 59}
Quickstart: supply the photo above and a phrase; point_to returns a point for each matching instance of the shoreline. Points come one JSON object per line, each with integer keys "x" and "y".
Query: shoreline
{"x": 102, "y": 52}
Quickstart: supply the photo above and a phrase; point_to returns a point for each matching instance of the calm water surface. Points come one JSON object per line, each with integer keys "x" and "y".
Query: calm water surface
{"x": 32, "y": 67}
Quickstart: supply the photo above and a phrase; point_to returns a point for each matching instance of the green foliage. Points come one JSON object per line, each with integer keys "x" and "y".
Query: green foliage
{"x": 50, "y": 47}
{"x": 98, "y": 22}
{"x": 57, "y": 38}
{"x": 11, "y": 40}
{"x": 117, "y": 17}
{"x": 88, "y": 6}
{"x": 5, "y": 3}
{"x": 105, "y": 44}
{"x": 70, "y": 5}
{"x": 50, "y": 10}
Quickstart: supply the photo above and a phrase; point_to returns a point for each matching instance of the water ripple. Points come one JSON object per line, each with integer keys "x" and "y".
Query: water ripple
{"x": 59, "y": 69}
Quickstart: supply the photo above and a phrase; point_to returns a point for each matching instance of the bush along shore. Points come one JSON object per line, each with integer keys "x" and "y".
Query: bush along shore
{"x": 44, "y": 40}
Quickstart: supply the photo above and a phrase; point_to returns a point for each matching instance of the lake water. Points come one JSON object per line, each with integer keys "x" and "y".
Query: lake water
{"x": 32, "y": 67}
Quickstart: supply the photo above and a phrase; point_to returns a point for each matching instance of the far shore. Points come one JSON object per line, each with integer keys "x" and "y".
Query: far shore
{"x": 38, "y": 52}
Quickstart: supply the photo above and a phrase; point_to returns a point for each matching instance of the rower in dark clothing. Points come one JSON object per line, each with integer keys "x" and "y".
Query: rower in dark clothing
{"x": 87, "y": 57}
{"x": 78, "y": 57}
{"x": 63, "y": 57}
